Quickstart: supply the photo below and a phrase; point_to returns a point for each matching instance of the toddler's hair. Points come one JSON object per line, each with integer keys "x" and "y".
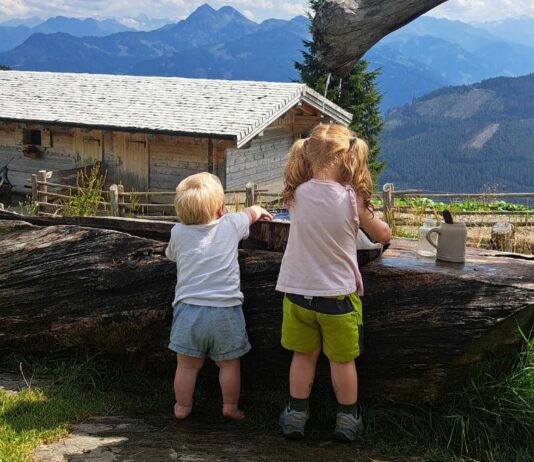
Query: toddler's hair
{"x": 198, "y": 198}
{"x": 329, "y": 146}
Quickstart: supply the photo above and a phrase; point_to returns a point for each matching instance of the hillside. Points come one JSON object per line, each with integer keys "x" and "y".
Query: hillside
{"x": 464, "y": 139}
{"x": 427, "y": 54}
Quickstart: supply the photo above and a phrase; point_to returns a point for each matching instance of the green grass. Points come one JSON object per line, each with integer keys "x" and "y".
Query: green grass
{"x": 490, "y": 420}
{"x": 83, "y": 389}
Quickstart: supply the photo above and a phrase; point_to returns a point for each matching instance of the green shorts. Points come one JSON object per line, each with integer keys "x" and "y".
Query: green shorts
{"x": 306, "y": 329}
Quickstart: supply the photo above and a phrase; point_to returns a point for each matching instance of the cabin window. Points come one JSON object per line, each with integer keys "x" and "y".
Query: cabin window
{"x": 32, "y": 137}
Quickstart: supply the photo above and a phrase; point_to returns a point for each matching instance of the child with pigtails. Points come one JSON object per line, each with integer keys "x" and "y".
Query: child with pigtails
{"x": 327, "y": 187}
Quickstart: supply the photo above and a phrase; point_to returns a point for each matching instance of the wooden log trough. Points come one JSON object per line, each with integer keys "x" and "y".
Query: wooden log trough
{"x": 66, "y": 286}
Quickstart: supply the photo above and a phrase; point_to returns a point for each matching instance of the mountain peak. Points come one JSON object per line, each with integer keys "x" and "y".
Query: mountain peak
{"x": 228, "y": 10}
{"x": 203, "y": 10}
{"x": 232, "y": 13}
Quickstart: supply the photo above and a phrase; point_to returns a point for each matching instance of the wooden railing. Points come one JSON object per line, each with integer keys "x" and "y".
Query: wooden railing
{"x": 53, "y": 198}
{"x": 404, "y": 215}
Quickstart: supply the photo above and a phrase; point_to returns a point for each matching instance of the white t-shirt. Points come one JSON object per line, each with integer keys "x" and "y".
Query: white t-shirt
{"x": 206, "y": 261}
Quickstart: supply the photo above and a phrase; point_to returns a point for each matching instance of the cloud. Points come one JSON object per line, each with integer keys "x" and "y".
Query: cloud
{"x": 96, "y": 8}
{"x": 294, "y": 8}
{"x": 483, "y": 10}
{"x": 465, "y": 10}
{"x": 249, "y": 14}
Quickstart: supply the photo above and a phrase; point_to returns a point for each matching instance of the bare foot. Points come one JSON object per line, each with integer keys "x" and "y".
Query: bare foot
{"x": 181, "y": 412}
{"x": 231, "y": 411}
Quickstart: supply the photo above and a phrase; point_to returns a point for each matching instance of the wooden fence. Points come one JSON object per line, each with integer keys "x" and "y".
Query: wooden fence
{"x": 54, "y": 198}
{"x": 398, "y": 216}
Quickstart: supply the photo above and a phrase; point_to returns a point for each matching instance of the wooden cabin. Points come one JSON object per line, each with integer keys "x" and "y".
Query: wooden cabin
{"x": 150, "y": 132}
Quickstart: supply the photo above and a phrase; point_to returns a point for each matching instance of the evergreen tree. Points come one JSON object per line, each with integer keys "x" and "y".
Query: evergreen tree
{"x": 4, "y": 68}
{"x": 356, "y": 93}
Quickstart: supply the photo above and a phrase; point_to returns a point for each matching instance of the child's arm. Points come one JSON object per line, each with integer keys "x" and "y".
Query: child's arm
{"x": 256, "y": 212}
{"x": 376, "y": 229}
{"x": 169, "y": 251}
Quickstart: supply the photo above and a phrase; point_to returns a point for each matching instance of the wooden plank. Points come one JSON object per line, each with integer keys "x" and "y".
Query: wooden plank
{"x": 131, "y": 152}
{"x": 167, "y": 166}
{"x": 46, "y": 138}
{"x": 19, "y": 137}
{"x": 210, "y": 156}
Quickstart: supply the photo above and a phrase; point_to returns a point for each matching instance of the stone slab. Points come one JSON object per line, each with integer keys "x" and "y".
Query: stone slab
{"x": 162, "y": 438}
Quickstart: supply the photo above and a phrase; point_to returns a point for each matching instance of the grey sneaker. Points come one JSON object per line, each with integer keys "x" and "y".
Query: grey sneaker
{"x": 348, "y": 426}
{"x": 293, "y": 422}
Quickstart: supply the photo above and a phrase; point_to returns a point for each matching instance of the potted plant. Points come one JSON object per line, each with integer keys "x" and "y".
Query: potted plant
{"x": 31, "y": 151}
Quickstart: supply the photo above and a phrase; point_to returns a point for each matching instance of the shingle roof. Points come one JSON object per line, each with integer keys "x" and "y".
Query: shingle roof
{"x": 199, "y": 107}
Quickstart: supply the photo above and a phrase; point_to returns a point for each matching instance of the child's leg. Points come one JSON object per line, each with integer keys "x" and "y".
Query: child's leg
{"x": 344, "y": 381}
{"x": 184, "y": 384}
{"x": 230, "y": 380}
{"x": 348, "y": 417}
{"x": 302, "y": 374}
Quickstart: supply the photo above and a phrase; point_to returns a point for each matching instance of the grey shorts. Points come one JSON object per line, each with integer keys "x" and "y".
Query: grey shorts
{"x": 206, "y": 331}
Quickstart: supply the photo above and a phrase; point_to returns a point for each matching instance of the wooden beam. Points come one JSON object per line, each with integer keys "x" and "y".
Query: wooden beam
{"x": 210, "y": 156}
{"x": 308, "y": 110}
{"x": 305, "y": 119}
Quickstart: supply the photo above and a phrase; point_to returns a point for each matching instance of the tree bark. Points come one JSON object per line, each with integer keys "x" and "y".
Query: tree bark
{"x": 426, "y": 323}
{"x": 347, "y": 29}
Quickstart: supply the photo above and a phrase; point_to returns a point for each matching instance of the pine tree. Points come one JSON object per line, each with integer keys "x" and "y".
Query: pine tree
{"x": 4, "y": 68}
{"x": 356, "y": 93}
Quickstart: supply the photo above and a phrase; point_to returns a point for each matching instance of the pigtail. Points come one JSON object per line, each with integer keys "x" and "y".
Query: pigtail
{"x": 362, "y": 180}
{"x": 355, "y": 169}
{"x": 296, "y": 171}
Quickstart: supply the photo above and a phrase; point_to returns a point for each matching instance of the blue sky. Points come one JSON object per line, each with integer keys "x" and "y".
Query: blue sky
{"x": 258, "y": 10}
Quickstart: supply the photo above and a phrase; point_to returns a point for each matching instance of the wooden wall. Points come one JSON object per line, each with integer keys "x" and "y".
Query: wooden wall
{"x": 126, "y": 160}
{"x": 60, "y": 155}
{"x": 144, "y": 162}
{"x": 263, "y": 162}
{"x": 173, "y": 158}
{"x": 137, "y": 160}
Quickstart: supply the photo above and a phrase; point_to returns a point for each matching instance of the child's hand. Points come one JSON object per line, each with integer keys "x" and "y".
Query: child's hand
{"x": 265, "y": 215}
{"x": 256, "y": 213}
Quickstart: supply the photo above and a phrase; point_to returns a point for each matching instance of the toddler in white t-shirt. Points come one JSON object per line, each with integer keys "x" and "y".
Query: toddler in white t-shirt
{"x": 208, "y": 318}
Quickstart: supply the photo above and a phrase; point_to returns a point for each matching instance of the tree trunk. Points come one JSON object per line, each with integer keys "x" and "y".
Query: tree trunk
{"x": 347, "y": 29}
{"x": 426, "y": 322}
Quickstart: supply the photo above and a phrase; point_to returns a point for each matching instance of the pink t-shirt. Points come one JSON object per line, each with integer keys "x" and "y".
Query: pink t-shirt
{"x": 320, "y": 257}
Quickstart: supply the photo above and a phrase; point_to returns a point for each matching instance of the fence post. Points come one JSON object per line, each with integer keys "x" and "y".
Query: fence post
{"x": 502, "y": 236}
{"x": 121, "y": 204}
{"x": 388, "y": 200}
{"x": 35, "y": 197}
{"x": 250, "y": 193}
{"x": 114, "y": 200}
{"x": 42, "y": 189}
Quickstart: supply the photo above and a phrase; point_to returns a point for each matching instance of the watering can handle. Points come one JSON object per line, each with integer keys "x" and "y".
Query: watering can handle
{"x": 429, "y": 232}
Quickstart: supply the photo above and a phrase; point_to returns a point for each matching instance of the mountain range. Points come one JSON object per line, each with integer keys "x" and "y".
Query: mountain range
{"x": 427, "y": 54}
{"x": 13, "y": 34}
{"x": 470, "y": 138}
